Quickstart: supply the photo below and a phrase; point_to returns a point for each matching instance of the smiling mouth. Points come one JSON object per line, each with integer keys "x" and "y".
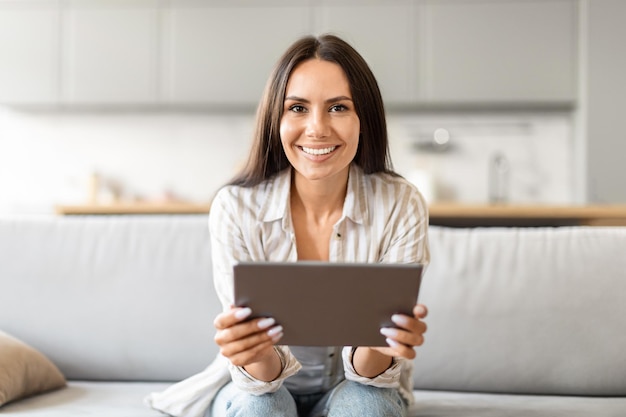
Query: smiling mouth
{"x": 321, "y": 151}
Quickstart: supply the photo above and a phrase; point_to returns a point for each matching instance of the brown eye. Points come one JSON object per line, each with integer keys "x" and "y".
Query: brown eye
{"x": 296, "y": 108}
{"x": 338, "y": 108}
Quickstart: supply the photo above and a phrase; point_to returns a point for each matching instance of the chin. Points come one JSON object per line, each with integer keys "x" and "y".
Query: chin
{"x": 321, "y": 174}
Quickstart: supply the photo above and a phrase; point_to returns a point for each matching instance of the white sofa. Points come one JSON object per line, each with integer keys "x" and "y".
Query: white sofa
{"x": 523, "y": 322}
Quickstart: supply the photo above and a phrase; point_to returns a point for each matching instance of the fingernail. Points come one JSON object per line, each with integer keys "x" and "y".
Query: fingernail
{"x": 274, "y": 331}
{"x": 399, "y": 319}
{"x": 277, "y": 337}
{"x": 265, "y": 323}
{"x": 389, "y": 332}
{"x": 420, "y": 310}
{"x": 243, "y": 313}
{"x": 392, "y": 342}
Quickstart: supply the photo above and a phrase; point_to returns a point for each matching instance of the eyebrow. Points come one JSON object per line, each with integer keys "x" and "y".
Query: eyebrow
{"x": 330, "y": 100}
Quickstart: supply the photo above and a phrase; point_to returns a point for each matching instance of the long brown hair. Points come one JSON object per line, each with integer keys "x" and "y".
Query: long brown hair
{"x": 267, "y": 156}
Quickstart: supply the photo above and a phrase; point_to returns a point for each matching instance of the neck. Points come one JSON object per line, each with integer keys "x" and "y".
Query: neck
{"x": 320, "y": 200}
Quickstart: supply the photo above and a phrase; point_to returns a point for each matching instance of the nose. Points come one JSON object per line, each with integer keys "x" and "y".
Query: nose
{"x": 317, "y": 125}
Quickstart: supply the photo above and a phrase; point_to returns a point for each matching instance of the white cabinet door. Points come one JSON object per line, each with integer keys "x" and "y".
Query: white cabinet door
{"x": 601, "y": 157}
{"x": 492, "y": 51}
{"x": 111, "y": 54}
{"x": 383, "y": 33}
{"x": 29, "y": 52}
{"x": 221, "y": 53}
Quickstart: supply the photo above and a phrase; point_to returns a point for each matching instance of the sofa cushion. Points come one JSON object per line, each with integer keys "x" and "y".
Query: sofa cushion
{"x": 525, "y": 311}
{"x": 458, "y": 404}
{"x": 89, "y": 398}
{"x": 24, "y": 371}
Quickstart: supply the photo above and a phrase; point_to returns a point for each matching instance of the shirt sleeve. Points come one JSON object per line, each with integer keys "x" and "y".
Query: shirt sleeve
{"x": 228, "y": 246}
{"x": 388, "y": 379}
{"x": 246, "y": 382}
{"x": 406, "y": 234}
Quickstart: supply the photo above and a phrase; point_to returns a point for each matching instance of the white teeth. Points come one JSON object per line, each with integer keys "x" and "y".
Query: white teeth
{"x": 322, "y": 151}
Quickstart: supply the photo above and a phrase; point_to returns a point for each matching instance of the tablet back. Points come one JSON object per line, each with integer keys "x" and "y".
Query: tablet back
{"x": 328, "y": 304}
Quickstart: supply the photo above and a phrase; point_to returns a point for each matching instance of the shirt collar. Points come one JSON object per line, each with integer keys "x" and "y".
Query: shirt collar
{"x": 354, "y": 206}
{"x": 278, "y": 191}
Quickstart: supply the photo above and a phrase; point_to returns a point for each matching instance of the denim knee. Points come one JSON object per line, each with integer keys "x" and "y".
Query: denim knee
{"x": 277, "y": 404}
{"x": 351, "y": 399}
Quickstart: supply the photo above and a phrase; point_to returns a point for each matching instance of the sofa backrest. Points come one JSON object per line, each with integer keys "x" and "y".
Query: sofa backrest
{"x": 111, "y": 298}
{"x": 525, "y": 311}
{"x": 510, "y": 310}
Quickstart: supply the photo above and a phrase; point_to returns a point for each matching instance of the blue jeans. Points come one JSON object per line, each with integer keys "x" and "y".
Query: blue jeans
{"x": 347, "y": 399}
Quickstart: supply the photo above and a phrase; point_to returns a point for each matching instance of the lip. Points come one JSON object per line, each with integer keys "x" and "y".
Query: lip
{"x": 317, "y": 158}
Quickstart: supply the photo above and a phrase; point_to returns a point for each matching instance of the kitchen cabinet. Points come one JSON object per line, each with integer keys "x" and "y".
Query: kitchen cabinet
{"x": 602, "y": 116}
{"x": 179, "y": 53}
{"x": 383, "y": 33}
{"x": 111, "y": 52}
{"x": 29, "y": 51}
{"x": 221, "y": 54}
{"x": 493, "y": 51}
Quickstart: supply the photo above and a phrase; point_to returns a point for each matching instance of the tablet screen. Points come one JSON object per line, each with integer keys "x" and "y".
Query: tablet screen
{"x": 328, "y": 304}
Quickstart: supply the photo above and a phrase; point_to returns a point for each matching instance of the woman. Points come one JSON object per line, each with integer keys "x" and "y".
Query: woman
{"x": 318, "y": 186}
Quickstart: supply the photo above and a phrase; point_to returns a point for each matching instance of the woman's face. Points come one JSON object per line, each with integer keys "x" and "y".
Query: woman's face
{"x": 319, "y": 129}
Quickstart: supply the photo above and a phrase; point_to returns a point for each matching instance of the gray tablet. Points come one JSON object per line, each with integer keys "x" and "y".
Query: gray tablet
{"x": 328, "y": 304}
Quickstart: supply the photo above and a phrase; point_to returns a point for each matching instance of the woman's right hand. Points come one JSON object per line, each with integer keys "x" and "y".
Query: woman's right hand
{"x": 249, "y": 343}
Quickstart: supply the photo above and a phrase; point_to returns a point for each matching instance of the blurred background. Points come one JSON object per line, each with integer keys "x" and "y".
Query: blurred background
{"x": 135, "y": 102}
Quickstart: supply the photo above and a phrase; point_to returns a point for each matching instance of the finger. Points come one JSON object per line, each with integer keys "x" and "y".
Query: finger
{"x": 243, "y": 330}
{"x": 404, "y": 337}
{"x": 400, "y": 349}
{"x": 420, "y": 311}
{"x": 249, "y": 343}
{"x": 231, "y": 317}
{"x": 249, "y": 356}
{"x": 409, "y": 323}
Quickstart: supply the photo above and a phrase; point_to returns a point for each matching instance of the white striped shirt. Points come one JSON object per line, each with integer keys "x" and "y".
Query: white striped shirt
{"x": 384, "y": 220}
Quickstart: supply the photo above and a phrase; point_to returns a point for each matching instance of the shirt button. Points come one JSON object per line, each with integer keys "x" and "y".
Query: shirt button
{"x": 337, "y": 236}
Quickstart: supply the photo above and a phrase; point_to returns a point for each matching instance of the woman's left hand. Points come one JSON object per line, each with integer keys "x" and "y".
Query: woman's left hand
{"x": 372, "y": 361}
{"x": 408, "y": 333}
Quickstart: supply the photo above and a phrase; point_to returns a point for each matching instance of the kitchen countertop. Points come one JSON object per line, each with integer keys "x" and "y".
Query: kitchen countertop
{"x": 452, "y": 214}
{"x": 445, "y": 214}
{"x": 134, "y": 208}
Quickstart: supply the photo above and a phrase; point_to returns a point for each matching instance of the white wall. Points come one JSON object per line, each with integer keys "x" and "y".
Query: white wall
{"x": 47, "y": 158}
{"x": 538, "y": 147}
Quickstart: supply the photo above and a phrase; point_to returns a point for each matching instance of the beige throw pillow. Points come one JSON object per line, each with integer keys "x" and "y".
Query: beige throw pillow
{"x": 24, "y": 371}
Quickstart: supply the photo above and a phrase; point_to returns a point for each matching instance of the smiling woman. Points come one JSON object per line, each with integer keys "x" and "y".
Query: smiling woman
{"x": 320, "y": 128}
{"x": 356, "y": 92}
{"x": 318, "y": 186}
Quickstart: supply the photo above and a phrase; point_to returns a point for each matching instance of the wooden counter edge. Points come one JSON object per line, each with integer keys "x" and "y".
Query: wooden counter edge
{"x": 441, "y": 210}
{"x": 133, "y": 208}
{"x": 591, "y": 213}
